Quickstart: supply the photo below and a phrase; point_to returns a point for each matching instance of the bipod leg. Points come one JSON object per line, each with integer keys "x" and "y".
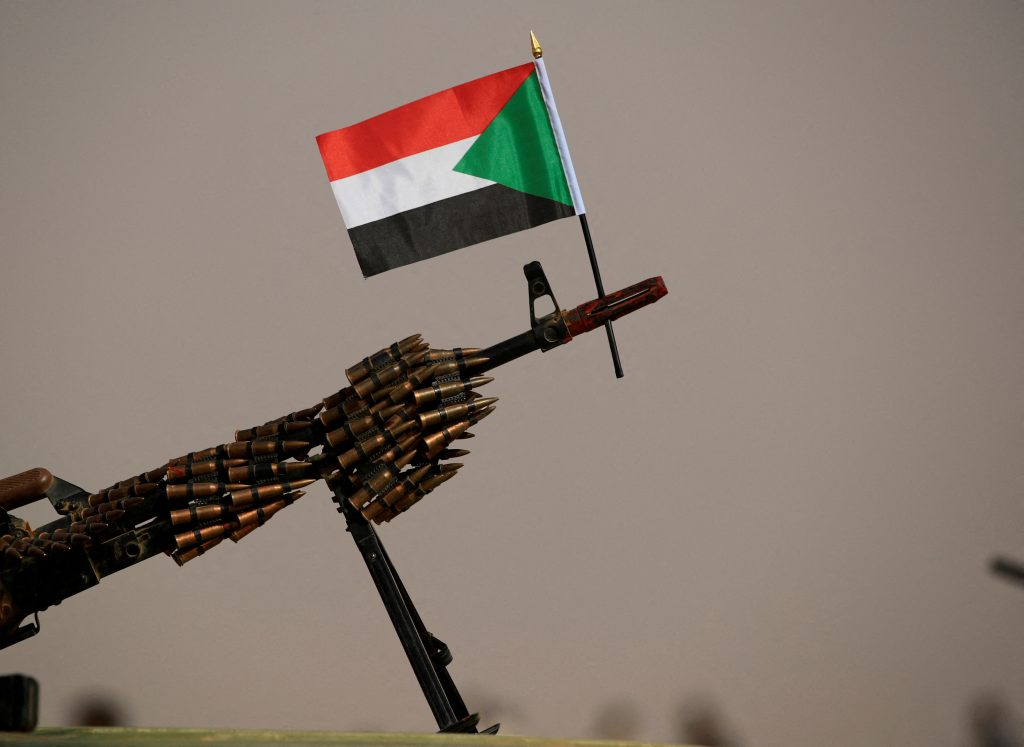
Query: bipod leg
{"x": 428, "y": 656}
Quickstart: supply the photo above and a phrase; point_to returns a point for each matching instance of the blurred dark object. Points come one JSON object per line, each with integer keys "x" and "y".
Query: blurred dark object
{"x": 97, "y": 710}
{"x": 991, "y": 722}
{"x": 1010, "y": 570}
{"x": 19, "y": 702}
{"x": 701, "y": 723}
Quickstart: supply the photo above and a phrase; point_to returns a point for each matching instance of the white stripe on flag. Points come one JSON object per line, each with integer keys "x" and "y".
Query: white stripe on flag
{"x": 407, "y": 183}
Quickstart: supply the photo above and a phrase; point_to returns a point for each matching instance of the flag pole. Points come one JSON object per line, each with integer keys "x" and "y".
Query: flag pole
{"x": 600, "y": 294}
{"x": 574, "y": 189}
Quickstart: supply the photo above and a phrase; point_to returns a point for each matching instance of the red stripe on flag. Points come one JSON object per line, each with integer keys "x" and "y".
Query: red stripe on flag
{"x": 436, "y": 120}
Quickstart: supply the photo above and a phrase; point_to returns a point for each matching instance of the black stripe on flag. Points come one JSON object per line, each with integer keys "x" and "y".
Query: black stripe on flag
{"x": 450, "y": 224}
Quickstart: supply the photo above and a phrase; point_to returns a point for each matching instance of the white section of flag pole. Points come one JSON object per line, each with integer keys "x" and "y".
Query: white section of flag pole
{"x": 563, "y": 146}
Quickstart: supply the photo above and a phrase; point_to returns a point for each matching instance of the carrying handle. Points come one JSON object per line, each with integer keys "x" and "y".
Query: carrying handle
{"x": 24, "y": 488}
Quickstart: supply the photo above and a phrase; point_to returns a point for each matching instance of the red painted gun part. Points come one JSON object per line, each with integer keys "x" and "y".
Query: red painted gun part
{"x": 593, "y": 314}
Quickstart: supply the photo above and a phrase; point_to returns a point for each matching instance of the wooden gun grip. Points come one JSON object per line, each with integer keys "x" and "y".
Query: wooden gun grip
{"x": 24, "y": 487}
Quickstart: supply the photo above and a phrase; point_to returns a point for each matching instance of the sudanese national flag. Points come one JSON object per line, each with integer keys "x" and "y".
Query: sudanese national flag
{"x": 462, "y": 166}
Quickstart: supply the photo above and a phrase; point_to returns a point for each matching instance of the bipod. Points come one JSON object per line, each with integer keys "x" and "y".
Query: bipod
{"x": 428, "y": 655}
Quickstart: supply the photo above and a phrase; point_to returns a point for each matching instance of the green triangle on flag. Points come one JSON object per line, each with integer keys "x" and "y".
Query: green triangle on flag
{"x": 518, "y": 150}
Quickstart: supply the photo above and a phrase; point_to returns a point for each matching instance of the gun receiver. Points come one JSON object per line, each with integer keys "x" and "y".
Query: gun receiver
{"x": 381, "y": 444}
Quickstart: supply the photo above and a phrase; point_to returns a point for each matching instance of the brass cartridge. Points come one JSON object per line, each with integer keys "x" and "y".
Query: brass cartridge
{"x": 199, "y": 535}
{"x": 200, "y": 514}
{"x": 365, "y": 448}
{"x": 440, "y": 391}
{"x": 455, "y": 354}
{"x": 379, "y": 480}
{"x": 263, "y": 493}
{"x": 242, "y": 532}
{"x": 333, "y": 400}
{"x": 273, "y": 429}
{"x": 400, "y": 489}
{"x": 415, "y": 379}
{"x": 260, "y": 515}
{"x": 451, "y": 413}
{"x": 183, "y": 556}
{"x": 382, "y": 357}
{"x": 135, "y": 489}
{"x": 350, "y": 430}
{"x": 255, "y": 472}
{"x": 434, "y": 442}
{"x": 383, "y": 377}
{"x": 195, "y": 456}
{"x": 405, "y": 445}
{"x": 192, "y": 490}
{"x": 182, "y": 472}
{"x": 413, "y": 497}
{"x": 452, "y": 453}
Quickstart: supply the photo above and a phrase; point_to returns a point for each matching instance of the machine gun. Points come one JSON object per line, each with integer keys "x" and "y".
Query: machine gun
{"x": 381, "y": 444}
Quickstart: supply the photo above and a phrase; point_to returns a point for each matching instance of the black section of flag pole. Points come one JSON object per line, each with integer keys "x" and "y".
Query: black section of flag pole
{"x": 600, "y": 294}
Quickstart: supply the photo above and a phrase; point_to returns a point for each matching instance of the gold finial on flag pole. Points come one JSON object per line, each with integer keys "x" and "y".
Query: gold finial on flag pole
{"x": 537, "y": 51}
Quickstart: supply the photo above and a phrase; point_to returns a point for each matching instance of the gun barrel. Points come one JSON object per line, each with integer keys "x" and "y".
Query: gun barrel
{"x": 560, "y": 327}
{"x": 594, "y": 314}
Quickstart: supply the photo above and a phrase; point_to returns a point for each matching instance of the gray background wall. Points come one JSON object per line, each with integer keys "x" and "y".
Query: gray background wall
{"x": 787, "y": 504}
